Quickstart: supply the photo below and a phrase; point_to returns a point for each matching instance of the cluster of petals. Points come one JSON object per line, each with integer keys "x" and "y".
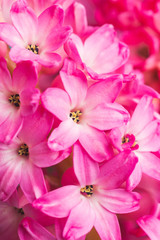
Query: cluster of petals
{"x": 79, "y": 119}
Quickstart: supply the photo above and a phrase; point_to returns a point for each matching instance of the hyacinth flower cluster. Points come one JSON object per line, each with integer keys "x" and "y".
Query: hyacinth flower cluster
{"x": 79, "y": 120}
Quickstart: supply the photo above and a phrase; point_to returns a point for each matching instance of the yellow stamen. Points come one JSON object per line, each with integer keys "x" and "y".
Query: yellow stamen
{"x": 23, "y": 151}
{"x": 88, "y": 189}
{"x": 15, "y": 100}
{"x": 34, "y": 48}
{"x": 75, "y": 115}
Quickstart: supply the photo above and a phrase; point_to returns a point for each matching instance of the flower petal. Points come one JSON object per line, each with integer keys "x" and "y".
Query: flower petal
{"x": 25, "y": 21}
{"x": 135, "y": 177}
{"x": 58, "y": 203}
{"x": 85, "y": 168}
{"x": 107, "y": 116}
{"x": 29, "y": 229}
{"x": 32, "y": 182}
{"x": 95, "y": 143}
{"x": 57, "y": 102}
{"x": 80, "y": 220}
{"x": 75, "y": 83}
{"x": 64, "y": 136}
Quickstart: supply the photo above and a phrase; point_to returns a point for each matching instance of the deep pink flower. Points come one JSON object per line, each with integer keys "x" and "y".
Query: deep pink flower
{"x": 94, "y": 200}
{"x": 85, "y": 112}
{"x": 18, "y": 98}
{"x": 33, "y": 38}
{"x": 141, "y": 135}
{"x": 21, "y": 160}
{"x": 100, "y": 54}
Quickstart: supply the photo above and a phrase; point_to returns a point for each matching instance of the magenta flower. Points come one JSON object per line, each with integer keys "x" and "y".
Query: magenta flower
{"x": 101, "y": 53}
{"x": 85, "y": 112}
{"x": 35, "y": 39}
{"x": 94, "y": 200}
{"x": 21, "y": 160}
{"x": 141, "y": 135}
{"x": 18, "y": 98}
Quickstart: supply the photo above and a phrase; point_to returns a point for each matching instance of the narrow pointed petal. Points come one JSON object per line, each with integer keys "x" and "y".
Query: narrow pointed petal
{"x": 145, "y": 109}
{"x": 151, "y": 226}
{"x": 85, "y": 168}
{"x": 106, "y": 224}
{"x": 107, "y": 116}
{"x": 95, "y": 143}
{"x": 5, "y": 80}
{"x": 25, "y": 21}
{"x": 57, "y": 102}
{"x": 118, "y": 200}
{"x": 75, "y": 83}
{"x": 29, "y": 229}
{"x": 76, "y": 220}
{"x": 64, "y": 136}
{"x": 58, "y": 203}
{"x": 32, "y": 182}
{"x": 123, "y": 163}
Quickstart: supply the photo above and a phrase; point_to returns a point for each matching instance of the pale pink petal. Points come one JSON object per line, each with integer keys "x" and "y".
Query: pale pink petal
{"x": 116, "y": 135}
{"x": 95, "y": 143}
{"x": 29, "y": 229}
{"x": 6, "y": 31}
{"x": 32, "y": 182}
{"x": 151, "y": 226}
{"x": 150, "y": 164}
{"x": 57, "y": 102}
{"x": 107, "y": 116}
{"x": 64, "y": 136}
{"x": 106, "y": 224}
{"x": 10, "y": 177}
{"x": 117, "y": 54}
{"x": 43, "y": 156}
{"x": 123, "y": 163}
{"x": 32, "y": 132}
{"x": 80, "y": 16}
{"x": 58, "y": 203}
{"x": 148, "y": 138}
{"x": 75, "y": 83}
{"x": 57, "y": 38}
{"x": 25, "y": 21}
{"x": 85, "y": 168}
{"x": 118, "y": 200}
{"x": 29, "y": 101}
{"x": 49, "y": 59}
{"x": 105, "y": 90}
{"x": 78, "y": 223}
{"x": 97, "y": 42}
{"x": 24, "y": 76}
{"x": 135, "y": 177}
{"x": 51, "y": 18}
{"x": 145, "y": 109}
{"x": 74, "y": 48}
{"x": 18, "y": 54}
{"x": 11, "y": 127}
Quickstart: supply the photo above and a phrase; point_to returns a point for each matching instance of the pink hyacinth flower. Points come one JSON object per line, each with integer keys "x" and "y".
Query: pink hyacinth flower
{"x": 35, "y": 39}
{"x": 21, "y": 160}
{"x": 18, "y": 98}
{"x": 85, "y": 112}
{"x": 141, "y": 135}
{"x": 101, "y": 53}
{"x": 94, "y": 199}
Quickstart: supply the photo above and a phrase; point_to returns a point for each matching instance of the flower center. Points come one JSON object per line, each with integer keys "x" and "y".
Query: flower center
{"x": 75, "y": 115}
{"x": 129, "y": 141}
{"x": 15, "y": 100}
{"x": 23, "y": 150}
{"x": 34, "y": 48}
{"x": 87, "y": 190}
{"x": 20, "y": 210}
